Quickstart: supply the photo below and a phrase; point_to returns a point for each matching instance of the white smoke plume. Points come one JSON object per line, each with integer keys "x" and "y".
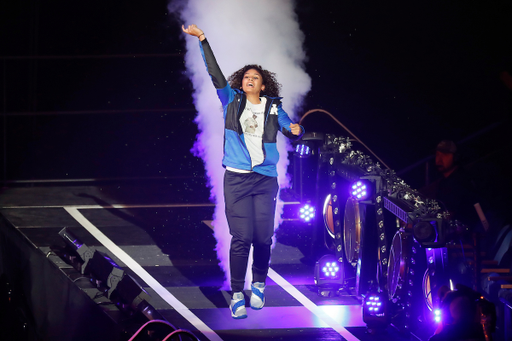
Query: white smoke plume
{"x": 240, "y": 33}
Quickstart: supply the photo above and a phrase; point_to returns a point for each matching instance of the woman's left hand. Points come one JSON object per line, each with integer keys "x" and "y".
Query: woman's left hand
{"x": 193, "y": 30}
{"x": 295, "y": 129}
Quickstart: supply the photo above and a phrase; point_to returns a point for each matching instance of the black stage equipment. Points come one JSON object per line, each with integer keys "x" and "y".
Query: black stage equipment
{"x": 119, "y": 287}
{"x": 85, "y": 253}
{"x": 399, "y": 213}
{"x": 375, "y": 311}
{"x": 329, "y": 276}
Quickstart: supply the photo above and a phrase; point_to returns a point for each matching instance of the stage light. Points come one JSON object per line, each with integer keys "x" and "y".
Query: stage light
{"x": 307, "y": 212}
{"x": 425, "y": 231}
{"x": 305, "y": 169}
{"x": 434, "y": 231}
{"x": 329, "y": 276}
{"x": 303, "y": 149}
{"x": 97, "y": 264}
{"x": 105, "y": 271}
{"x": 437, "y": 315}
{"x": 374, "y": 305}
{"x": 130, "y": 295}
{"x": 118, "y": 286}
{"x": 331, "y": 270}
{"x": 360, "y": 190}
{"x": 375, "y": 314}
{"x": 85, "y": 252}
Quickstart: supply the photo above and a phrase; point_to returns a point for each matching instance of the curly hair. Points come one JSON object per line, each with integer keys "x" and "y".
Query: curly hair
{"x": 272, "y": 86}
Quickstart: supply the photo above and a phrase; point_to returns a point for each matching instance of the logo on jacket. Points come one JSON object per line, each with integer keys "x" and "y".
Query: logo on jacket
{"x": 273, "y": 110}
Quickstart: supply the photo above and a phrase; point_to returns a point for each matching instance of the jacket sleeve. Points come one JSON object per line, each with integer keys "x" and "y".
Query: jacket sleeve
{"x": 224, "y": 91}
{"x": 284, "y": 124}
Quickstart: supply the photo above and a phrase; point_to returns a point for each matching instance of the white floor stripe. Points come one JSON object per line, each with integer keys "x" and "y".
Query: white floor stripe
{"x": 306, "y": 302}
{"x": 144, "y": 275}
{"x": 87, "y": 207}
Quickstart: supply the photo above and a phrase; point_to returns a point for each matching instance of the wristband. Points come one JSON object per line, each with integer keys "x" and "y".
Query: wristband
{"x": 199, "y": 36}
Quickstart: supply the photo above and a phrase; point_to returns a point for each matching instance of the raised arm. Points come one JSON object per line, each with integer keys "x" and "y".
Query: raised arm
{"x": 195, "y": 31}
{"x": 224, "y": 91}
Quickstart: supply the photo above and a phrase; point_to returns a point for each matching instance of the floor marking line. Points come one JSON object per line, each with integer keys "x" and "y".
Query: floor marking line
{"x": 306, "y": 302}
{"x": 144, "y": 275}
{"x": 86, "y": 207}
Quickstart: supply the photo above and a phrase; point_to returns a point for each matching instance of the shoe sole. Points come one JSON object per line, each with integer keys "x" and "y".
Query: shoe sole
{"x": 239, "y": 317}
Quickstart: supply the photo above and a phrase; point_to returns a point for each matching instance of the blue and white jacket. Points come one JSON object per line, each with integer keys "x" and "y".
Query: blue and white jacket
{"x": 233, "y": 101}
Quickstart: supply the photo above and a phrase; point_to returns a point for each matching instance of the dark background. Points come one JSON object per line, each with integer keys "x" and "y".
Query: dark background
{"x": 98, "y": 89}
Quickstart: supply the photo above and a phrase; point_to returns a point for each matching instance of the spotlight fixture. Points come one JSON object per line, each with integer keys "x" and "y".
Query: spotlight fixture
{"x": 303, "y": 149}
{"x": 122, "y": 289}
{"x": 331, "y": 270}
{"x": 307, "y": 212}
{"x": 105, "y": 272}
{"x": 305, "y": 165}
{"x": 425, "y": 231}
{"x": 360, "y": 190}
{"x": 329, "y": 276}
{"x": 436, "y": 281}
{"x": 437, "y": 315}
{"x": 84, "y": 252}
{"x": 374, "y": 305}
{"x": 131, "y": 296}
{"x": 431, "y": 232}
{"x": 375, "y": 314}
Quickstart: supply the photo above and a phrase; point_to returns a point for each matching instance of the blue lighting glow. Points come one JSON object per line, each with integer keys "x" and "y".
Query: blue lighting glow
{"x": 302, "y": 150}
{"x": 437, "y": 315}
{"x": 375, "y": 309}
{"x": 307, "y": 212}
{"x": 374, "y": 304}
{"x": 331, "y": 269}
{"x": 359, "y": 190}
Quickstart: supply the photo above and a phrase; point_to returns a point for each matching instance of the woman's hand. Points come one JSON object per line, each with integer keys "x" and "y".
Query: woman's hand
{"x": 193, "y": 30}
{"x": 295, "y": 129}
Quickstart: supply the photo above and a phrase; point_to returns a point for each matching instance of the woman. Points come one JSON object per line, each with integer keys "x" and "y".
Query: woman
{"x": 252, "y": 117}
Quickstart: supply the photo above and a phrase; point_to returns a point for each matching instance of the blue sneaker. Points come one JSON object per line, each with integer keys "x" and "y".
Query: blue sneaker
{"x": 237, "y": 306}
{"x": 257, "y": 297}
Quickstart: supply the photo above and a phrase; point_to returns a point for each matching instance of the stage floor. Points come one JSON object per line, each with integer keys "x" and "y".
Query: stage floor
{"x": 159, "y": 233}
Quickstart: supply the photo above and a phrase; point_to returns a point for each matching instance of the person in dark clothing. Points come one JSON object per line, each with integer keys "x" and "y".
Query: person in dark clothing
{"x": 455, "y": 190}
{"x": 461, "y": 311}
{"x": 253, "y": 115}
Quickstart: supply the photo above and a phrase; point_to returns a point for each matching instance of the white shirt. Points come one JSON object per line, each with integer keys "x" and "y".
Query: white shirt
{"x": 252, "y": 121}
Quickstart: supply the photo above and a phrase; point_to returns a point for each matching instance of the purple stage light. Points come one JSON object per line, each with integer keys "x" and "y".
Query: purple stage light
{"x": 331, "y": 270}
{"x": 303, "y": 150}
{"x": 359, "y": 190}
{"x": 437, "y": 315}
{"x": 374, "y": 304}
{"x": 307, "y": 212}
{"x": 375, "y": 310}
{"x": 329, "y": 276}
